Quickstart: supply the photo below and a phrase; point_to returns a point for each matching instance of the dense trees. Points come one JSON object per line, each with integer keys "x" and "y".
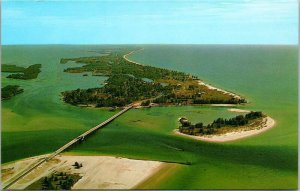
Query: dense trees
{"x": 119, "y": 90}
{"x": 126, "y": 83}
{"x": 145, "y": 103}
{"x": 10, "y": 91}
{"x": 56, "y": 181}
{"x": 213, "y": 127}
{"x": 46, "y": 184}
{"x": 23, "y": 73}
{"x": 218, "y": 101}
{"x": 175, "y": 99}
{"x": 11, "y": 68}
{"x": 114, "y": 64}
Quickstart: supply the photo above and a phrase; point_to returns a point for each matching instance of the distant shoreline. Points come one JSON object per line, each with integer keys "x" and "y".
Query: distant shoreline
{"x": 200, "y": 82}
{"x": 134, "y": 51}
{"x": 232, "y": 136}
{"x": 218, "y": 89}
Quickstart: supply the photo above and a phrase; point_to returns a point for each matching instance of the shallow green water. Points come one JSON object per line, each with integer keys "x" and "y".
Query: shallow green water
{"x": 267, "y": 77}
{"x": 37, "y": 122}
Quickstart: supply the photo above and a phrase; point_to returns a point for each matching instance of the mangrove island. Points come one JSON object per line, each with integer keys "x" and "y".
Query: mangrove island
{"x": 129, "y": 82}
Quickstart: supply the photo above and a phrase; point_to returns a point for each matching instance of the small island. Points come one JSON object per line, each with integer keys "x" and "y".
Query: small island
{"x": 221, "y": 130}
{"x": 22, "y": 73}
{"x": 10, "y": 91}
{"x": 130, "y": 82}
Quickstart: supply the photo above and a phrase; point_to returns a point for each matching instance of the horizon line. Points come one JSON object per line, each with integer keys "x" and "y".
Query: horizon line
{"x": 75, "y": 44}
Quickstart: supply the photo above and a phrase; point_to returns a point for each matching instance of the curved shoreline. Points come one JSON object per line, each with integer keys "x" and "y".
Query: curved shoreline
{"x": 200, "y": 82}
{"x": 125, "y": 57}
{"x": 232, "y": 136}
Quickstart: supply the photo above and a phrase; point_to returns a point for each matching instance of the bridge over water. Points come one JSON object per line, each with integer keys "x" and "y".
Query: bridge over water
{"x": 61, "y": 149}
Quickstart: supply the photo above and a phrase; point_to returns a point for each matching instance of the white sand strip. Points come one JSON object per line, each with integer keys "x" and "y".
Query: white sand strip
{"x": 218, "y": 89}
{"x": 134, "y": 51}
{"x": 98, "y": 172}
{"x": 223, "y": 105}
{"x": 238, "y": 110}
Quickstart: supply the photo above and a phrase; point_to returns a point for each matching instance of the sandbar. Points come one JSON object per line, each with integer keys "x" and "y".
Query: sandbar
{"x": 98, "y": 172}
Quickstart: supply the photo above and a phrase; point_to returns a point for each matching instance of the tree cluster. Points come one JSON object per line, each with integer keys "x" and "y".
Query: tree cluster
{"x": 59, "y": 181}
{"x": 10, "y": 91}
{"x": 145, "y": 103}
{"x": 218, "y": 101}
{"x": 115, "y": 64}
{"x": 125, "y": 84}
{"x": 240, "y": 120}
{"x": 119, "y": 90}
{"x": 27, "y": 73}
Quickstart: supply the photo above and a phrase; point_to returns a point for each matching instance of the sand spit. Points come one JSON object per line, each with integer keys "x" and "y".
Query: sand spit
{"x": 267, "y": 124}
{"x": 98, "y": 172}
{"x": 134, "y": 51}
{"x": 218, "y": 89}
{"x": 238, "y": 110}
{"x": 222, "y": 105}
{"x": 199, "y": 81}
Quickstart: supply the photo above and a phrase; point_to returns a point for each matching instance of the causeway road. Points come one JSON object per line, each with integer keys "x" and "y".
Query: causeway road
{"x": 52, "y": 155}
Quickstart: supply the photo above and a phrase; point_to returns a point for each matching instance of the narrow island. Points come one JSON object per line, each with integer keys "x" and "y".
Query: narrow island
{"x": 10, "y": 91}
{"x": 130, "y": 82}
{"x": 221, "y": 130}
{"x": 22, "y": 73}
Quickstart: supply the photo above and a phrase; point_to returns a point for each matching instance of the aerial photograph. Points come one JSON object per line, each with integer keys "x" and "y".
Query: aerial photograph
{"x": 149, "y": 95}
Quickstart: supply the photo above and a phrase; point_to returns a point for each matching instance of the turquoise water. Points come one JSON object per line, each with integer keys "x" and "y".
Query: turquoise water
{"x": 37, "y": 121}
{"x": 266, "y": 75}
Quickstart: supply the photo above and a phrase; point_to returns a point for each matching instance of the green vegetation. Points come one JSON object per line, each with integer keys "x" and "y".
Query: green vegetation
{"x": 56, "y": 181}
{"x": 119, "y": 90}
{"x": 265, "y": 161}
{"x": 115, "y": 64}
{"x": 11, "y": 68}
{"x": 214, "y": 127}
{"x": 22, "y": 73}
{"x": 10, "y": 91}
{"x": 146, "y": 103}
{"x": 126, "y": 83}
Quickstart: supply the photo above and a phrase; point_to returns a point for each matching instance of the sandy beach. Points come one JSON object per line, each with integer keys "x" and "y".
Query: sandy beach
{"x": 134, "y": 51}
{"x": 199, "y": 81}
{"x": 222, "y": 105}
{"x": 98, "y": 172}
{"x": 267, "y": 124}
{"x": 238, "y": 110}
{"x": 218, "y": 89}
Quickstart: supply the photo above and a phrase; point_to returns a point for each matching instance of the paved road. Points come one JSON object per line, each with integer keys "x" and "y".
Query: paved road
{"x": 77, "y": 139}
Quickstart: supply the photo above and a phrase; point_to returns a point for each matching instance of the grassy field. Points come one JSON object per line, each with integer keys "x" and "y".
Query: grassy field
{"x": 266, "y": 161}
